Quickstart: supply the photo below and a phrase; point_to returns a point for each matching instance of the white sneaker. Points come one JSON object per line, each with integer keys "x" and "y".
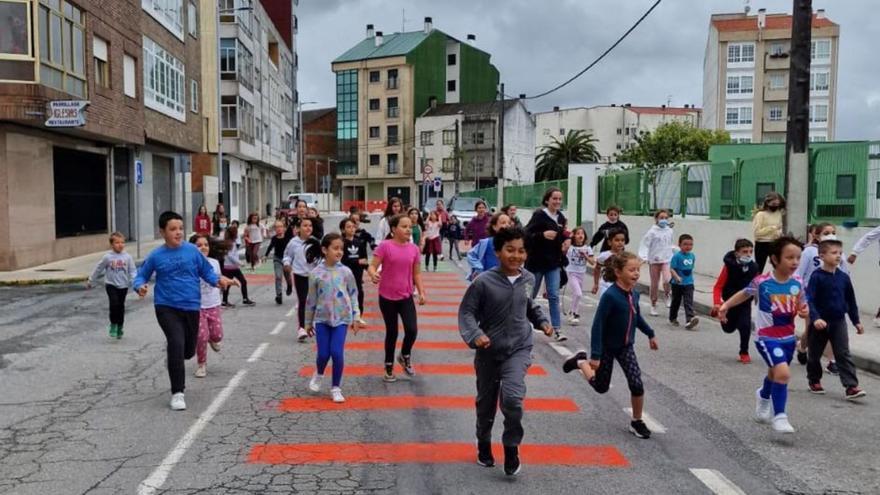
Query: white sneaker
{"x": 690, "y": 325}
{"x": 336, "y": 393}
{"x": 201, "y": 371}
{"x": 362, "y": 322}
{"x": 215, "y": 346}
{"x": 654, "y": 310}
{"x": 763, "y": 408}
{"x": 877, "y": 322}
{"x": 177, "y": 402}
{"x": 781, "y": 424}
{"x": 668, "y": 302}
{"x": 315, "y": 382}
{"x": 301, "y": 335}
{"x": 574, "y": 319}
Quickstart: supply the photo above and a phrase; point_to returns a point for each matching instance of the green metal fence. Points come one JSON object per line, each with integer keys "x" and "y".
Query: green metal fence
{"x": 524, "y": 196}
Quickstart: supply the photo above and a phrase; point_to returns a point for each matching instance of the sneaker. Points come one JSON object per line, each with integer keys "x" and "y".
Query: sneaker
{"x": 877, "y": 322}
{"x": 112, "y": 331}
{"x": 119, "y": 332}
{"x": 817, "y": 388}
{"x": 362, "y": 322}
{"x": 668, "y": 302}
{"x": 227, "y": 305}
{"x": 336, "y": 394}
{"x": 763, "y": 408}
{"x": 559, "y": 336}
{"x": 289, "y": 291}
{"x": 744, "y": 358}
{"x": 571, "y": 363}
{"x": 674, "y": 323}
{"x": 512, "y": 466}
{"x": 692, "y": 323}
{"x": 301, "y": 335}
{"x": 315, "y": 382}
{"x": 201, "y": 371}
{"x": 484, "y": 454}
{"x": 442, "y": 257}
{"x": 574, "y": 319}
{"x": 802, "y": 357}
{"x": 639, "y": 429}
{"x": 406, "y": 364}
{"x": 654, "y": 310}
{"x": 278, "y": 299}
{"x": 781, "y": 424}
{"x": 215, "y": 346}
{"x": 177, "y": 402}
{"x": 248, "y": 302}
{"x": 853, "y": 393}
{"x": 389, "y": 374}
{"x": 832, "y": 368}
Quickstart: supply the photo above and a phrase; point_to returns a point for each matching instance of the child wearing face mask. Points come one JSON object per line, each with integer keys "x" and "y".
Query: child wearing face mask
{"x": 656, "y": 249}
{"x": 737, "y": 273}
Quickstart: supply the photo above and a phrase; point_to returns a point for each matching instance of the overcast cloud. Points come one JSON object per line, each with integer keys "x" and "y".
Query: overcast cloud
{"x": 538, "y": 44}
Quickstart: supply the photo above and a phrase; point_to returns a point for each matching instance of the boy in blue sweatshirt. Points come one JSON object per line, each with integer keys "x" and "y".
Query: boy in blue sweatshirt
{"x": 178, "y": 267}
{"x": 831, "y": 298}
{"x": 613, "y": 335}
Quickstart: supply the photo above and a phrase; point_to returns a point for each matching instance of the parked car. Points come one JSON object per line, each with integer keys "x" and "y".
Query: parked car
{"x": 431, "y": 205}
{"x": 311, "y": 199}
{"x": 463, "y": 208}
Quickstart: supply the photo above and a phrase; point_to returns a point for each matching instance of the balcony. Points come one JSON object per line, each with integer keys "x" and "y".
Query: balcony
{"x": 393, "y": 168}
{"x": 393, "y": 112}
{"x": 772, "y": 62}
{"x": 774, "y": 125}
{"x": 346, "y": 169}
{"x": 393, "y": 83}
{"x": 780, "y": 94}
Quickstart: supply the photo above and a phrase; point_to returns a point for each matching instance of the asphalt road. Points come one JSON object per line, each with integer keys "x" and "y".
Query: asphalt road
{"x": 83, "y": 414}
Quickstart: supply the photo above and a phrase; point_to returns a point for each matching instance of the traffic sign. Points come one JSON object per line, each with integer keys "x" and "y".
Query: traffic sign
{"x": 438, "y": 184}
{"x": 139, "y": 172}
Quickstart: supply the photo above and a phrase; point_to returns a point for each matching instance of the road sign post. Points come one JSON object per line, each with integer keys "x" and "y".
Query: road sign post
{"x": 139, "y": 181}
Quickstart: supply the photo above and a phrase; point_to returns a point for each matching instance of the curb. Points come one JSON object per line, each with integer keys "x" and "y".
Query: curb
{"x": 43, "y": 281}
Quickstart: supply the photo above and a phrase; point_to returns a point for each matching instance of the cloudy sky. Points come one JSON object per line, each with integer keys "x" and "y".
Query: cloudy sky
{"x": 537, "y": 45}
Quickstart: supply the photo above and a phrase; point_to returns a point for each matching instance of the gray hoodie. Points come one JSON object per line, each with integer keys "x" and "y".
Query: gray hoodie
{"x": 118, "y": 268}
{"x": 501, "y": 310}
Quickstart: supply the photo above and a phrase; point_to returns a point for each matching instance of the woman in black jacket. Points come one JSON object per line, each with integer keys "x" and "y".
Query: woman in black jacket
{"x": 545, "y": 243}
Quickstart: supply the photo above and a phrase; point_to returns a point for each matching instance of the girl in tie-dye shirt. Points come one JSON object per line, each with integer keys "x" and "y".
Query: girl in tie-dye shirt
{"x": 331, "y": 308}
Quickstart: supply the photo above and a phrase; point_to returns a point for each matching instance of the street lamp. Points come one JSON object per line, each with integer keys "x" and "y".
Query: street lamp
{"x": 301, "y": 155}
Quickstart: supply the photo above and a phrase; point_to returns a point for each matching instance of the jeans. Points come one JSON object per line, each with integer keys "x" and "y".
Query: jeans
{"x": 117, "y": 304}
{"x": 331, "y": 344}
{"x": 181, "y": 329}
{"x": 551, "y": 278}
{"x": 406, "y": 309}
{"x": 279, "y": 275}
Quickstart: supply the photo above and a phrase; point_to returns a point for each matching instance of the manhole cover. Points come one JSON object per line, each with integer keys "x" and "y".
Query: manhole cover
{"x": 49, "y": 270}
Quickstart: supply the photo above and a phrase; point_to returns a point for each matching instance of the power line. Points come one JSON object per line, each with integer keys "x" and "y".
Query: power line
{"x": 606, "y": 52}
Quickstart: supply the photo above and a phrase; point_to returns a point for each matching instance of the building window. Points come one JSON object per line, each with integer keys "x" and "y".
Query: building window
{"x": 194, "y": 96}
{"x": 192, "y": 19}
{"x": 229, "y": 115}
{"x": 762, "y": 189}
{"x": 102, "y": 65}
{"x": 80, "y": 192}
{"x": 236, "y": 62}
{"x": 738, "y": 116}
{"x": 726, "y": 187}
{"x": 846, "y": 187}
{"x": 450, "y": 86}
{"x": 375, "y": 160}
{"x": 820, "y": 49}
{"x": 448, "y": 165}
{"x": 450, "y": 59}
{"x": 392, "y": 135}
{"x": 562, "y": 131}
{"x": 16, "y": 29}
{"x": 818, "y": 113}
{"x": 375, "y": 104}
{"x": 818, "y": 139}
{"x": 393, "y": 108}
{"x": 164, "y": 81}
{"x": 740, "y": 85}
{"x": 129, "y": 75}
{"x": 62, "y": 47}
{"x": 694, "y": 189}
{"x": 426, "y": 138}
{"x": 169, "y": 13}
{"x": 819, "y": 81}
{"x": 740, "y": 53}
{"x": 777, "y": 49}
{"x": 777, "y": 81}
{"x": 227, "y": 58}
{"x": 375, "y": 76}
{"x": 393, "y": 164}
{"x": 374, "y": 132}
{"x": 449, "y": 138}
{"x": 619, "y": 131}
{"x": 775, "y": 113}
{"x": 477, "y": 138}
{"x": 392, "y": 79}
{"x": 347, "y": 122}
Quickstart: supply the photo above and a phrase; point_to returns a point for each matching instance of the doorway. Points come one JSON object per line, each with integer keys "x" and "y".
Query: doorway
{"x": 122, "y": 190}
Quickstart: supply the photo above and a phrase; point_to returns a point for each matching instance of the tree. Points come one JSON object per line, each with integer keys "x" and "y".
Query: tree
{"x": 670, "y": 144}
{"x": 554, "y": 158}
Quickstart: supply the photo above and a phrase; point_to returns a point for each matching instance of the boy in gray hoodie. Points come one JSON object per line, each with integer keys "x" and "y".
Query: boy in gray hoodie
{"x": 496, "y": 318}
{"x": 119, "y": 271}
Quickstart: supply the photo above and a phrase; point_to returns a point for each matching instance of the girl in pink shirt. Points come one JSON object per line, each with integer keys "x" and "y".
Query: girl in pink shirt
{"x": 399, "y": 259}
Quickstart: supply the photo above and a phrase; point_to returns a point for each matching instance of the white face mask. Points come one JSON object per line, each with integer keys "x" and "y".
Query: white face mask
{"x": 744, "y": 260}
{"x": 829, "y": 237}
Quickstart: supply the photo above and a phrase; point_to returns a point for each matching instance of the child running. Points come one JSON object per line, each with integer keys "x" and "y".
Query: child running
{"x": 454, "y": 233}
{"x": 780, "y": 297}
{"x": 355, "y": 258}
{"x": 418, "y": 227}
{"x": 580, "y": 255}
{"x": 178, "y": 267}
{"x": 737, "y": 273}
{"x": 276, "y": 246}
{"x": 613, "y": 337}
{"x": 617, "y": 241}
{"x": 210, "y": 318}
{"x": 433, "y": 244}
{"x": 232, "y": 267}
{"x": 831, "y": 298}
{"x": 253, "y": 238}
{"x": 614, "y": 223}
{"x": 496, "y": 317}
{"x": 682, "y": 269}
{"x": 296, "y": 261}
{"x": 400, "y": 262}
{"x": 656, "y": 250}
{"x": 119, "y": 270}
{"x": 482, "y": 257}
{"x": 331, "y": 308}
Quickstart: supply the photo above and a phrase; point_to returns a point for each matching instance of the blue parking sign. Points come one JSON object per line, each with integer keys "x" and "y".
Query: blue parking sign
{"x": 138, "y": 172}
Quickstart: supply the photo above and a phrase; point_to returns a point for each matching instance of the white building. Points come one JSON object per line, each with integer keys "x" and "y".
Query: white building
{"x": 478, "y": 138}
{"x": 614, "y": 127}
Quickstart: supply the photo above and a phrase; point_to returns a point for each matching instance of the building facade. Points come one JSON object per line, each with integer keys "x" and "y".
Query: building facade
{"x": 473, "y": 130}
{"x": 614, "y": 127}
{"x": 319, "y": 151}
{"x": 746, "y": 76}
{"x": 383, "y": 83}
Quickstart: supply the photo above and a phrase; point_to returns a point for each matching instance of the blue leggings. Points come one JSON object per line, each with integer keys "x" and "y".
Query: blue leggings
{"x": 331, "y": 344}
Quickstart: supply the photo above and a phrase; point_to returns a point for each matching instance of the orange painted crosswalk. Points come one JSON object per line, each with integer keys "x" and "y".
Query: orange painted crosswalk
{"x": 315, "y": 404}
{"x": 421, "y": 345}
{"x": 422, "y": 314}
{"x": 425, "y": 369}
{"x": 379, "y": 326}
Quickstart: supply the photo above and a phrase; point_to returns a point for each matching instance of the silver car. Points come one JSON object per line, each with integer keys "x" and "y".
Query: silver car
{"x": 464, "y": 208}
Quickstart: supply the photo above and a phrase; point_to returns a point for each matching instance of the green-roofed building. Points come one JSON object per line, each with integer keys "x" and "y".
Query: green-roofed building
{"x": 382, "y": 84}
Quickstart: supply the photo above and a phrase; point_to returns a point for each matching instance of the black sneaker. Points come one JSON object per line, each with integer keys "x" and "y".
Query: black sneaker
{"x": 389, "y": 374}
{"x": 248, "y": 302}
{"x": 278, "y": 299}
{"x": 802, "y": 357}
{"x": 832, "y": 368}
{"x": 639, "y": 429}
{"x": 118, "y": 332}
{"x": 406, "y": 363}
{"x": 289, "y": 290}
{"x": 512, "y": 465}
{"x": 570, "y": 364}
{"x": 484, "y": 454}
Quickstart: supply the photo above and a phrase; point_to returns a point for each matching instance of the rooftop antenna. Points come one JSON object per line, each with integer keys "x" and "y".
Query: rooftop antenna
{"x": 747, "y": 8}
{"x": 403, "y": 20}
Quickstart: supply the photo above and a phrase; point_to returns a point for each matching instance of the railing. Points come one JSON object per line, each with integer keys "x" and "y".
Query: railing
{"x": 393, "y": 83}
{"x": 393, "y": 112}
{"x": 393, "y": 141}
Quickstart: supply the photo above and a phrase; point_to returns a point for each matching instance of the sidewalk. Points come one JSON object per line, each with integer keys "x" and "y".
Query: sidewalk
{"x": 865, "y": 348}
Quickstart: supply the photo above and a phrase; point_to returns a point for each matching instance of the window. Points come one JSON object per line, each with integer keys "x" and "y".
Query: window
{"x": 450, "y": 59}
{"x": 619, "y": 131}
{"x": 392, "y": 135}
{"x": 227, "y": 58}
{"x": 80, "y": 192}
{"x": 819, "y": 81}
{"x": 562, "y": 131}
{"x": 740, "y": 53}
{"x": 164, "y": 81}
{"x": 375, "y": 76}
{"x": 877, "y": 192}
{"x": 448, "y": 165}
{"x": 374, "y": 104}
{"x": 375, "y": 160}
{"x": 450, "y": 86}
{"x": 619, "y": 146}
{"x": 62, "y": 47}
{"x": 448, "y": 137}
{"x": 820, "y": 49}
{"x": 102, "y": 67}
{"x": 477, "y": 138}
{"x": 777, "y": 49}
{"x": 129, "y": 75}
{"x": 192, "y": 19}
{"x": 194, "y": 96}
{"x": 427, "y": 138}
{"x": 236, "y": 62}
{"x": 393, "y": 108}
{"x": 16, "y": 29}
{"x": 740, "y": 85}
{"x": 169, "y": 13}
{"x": 374, "y": 132}
{"x": 229, "y": 115}
{"x": 392, "y": 79}
{"x": 777, "y": 81}
{"x": 694, "y": 189}
{"x": 846, "y": 187}
{"x": 347, "y": 122}
{"x": 775, "y": 113}
{"x": 763, "y": 189}
{"x": 393, "y": 164}
{"x": 727, "y": 187}
{"x": 818, "y": 113}
{"x": 738, "y": 116}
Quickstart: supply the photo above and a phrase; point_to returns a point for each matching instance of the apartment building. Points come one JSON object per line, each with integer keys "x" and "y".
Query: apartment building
{"x": 319, "y": 151}
{"x": 746, "y": 76}
{"x": 614, "y": 127}
{"x": 382, "y": 84}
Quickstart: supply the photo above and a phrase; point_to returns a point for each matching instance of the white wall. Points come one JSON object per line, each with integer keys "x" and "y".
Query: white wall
{"x": 519, "y": 146}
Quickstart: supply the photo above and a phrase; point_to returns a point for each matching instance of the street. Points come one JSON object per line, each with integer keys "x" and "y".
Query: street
{"x": 81, "y": 413}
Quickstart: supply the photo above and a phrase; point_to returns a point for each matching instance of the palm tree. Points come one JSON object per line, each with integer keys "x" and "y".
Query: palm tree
{"x": 553, "y": 160}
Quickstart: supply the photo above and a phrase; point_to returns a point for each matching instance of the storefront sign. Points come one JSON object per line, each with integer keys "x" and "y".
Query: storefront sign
{"x": 66, "y": 113}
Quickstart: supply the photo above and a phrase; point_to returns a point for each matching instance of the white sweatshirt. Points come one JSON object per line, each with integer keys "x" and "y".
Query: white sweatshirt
{"x": 657, "y": 245}
{"x": 866, "y": 240}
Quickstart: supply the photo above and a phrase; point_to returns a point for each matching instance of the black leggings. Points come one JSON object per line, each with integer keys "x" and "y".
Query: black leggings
{"x": 359, "y": 281}
{"x": 181, "y": 329}
{"x": 301, "y": 284}
{"x": 626, "y": 357}
{"x": 236, "y": 274}
{"x": 762, "y": 252}
{"x": 739, "y": 319}
{"x": 117, "y": 304}
{"x": 428, "y": 256}
{"x": 406, "y": 309}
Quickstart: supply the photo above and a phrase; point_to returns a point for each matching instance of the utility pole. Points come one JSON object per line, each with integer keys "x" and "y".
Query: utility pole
{"x": 499, "y": 185}
{"x": 797, "y": 157}
{"x": 457, "y": 159}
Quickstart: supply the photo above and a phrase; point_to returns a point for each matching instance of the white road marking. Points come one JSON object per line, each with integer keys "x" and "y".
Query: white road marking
{"x": 717, "y": 482}
{"x": 278, "y": 328}
{"x": 157, "y": 478}
{"x": 290, "y": 313}
{"x": 652, "y": 423}
{"x": 560, "y": 349}
{"x": 258, "y": 352}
